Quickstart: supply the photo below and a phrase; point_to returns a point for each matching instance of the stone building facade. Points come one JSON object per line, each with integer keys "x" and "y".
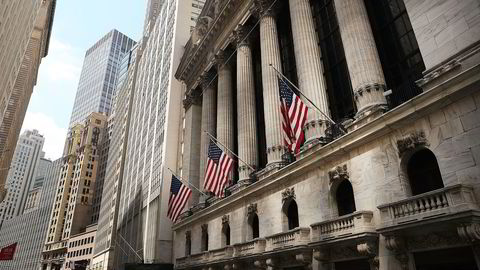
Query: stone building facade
{"x": 394, "y": 184}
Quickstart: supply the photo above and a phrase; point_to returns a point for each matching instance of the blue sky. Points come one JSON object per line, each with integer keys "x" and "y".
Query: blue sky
{"x": 77, "y": 26}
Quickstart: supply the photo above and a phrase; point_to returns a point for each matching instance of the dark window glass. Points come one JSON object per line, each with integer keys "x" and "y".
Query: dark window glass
{"x": 255, "y": 227}
{"x": 285, "y": 39}
{"x": 226, "y": 233}
{"x": 335, "y": 68}
{"x": 397, "y": 47}
{"x": 292, "y": 214}
{"x": 423, "y": 172}
{"x": 345, "y": 199}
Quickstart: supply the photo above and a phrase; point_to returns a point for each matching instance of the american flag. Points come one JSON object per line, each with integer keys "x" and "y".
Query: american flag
{"x": 218, "y": 168}
{"x": 294, "y": 116}
{"x": 179, "y": 195}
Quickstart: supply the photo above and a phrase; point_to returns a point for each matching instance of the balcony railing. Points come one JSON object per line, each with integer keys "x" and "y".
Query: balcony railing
{"x": 221, "y": 253}
{"x": 344, "y": 226}
{"x": 292, "y": 238}
{"x": 440, "y": 202}
{"x": 249, "y": 248}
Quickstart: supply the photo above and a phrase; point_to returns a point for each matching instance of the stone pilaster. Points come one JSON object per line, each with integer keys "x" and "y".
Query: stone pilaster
{"x": 270, "y": 51}
{"x": 246, "y": 110}
{"x": 366, "y": 74}
{"x": 191, "y": 151}
{"x": 309, "y": 68}
{"x": 209, "y": 120}
{"x": 225, "y": 125}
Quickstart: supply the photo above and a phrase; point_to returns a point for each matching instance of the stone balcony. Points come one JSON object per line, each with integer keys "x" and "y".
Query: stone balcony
{"x": 444, "y": 204}
{"x": 194, "y": 259}
{"x": 220, "y": 254}
{"x": 298, "y": 237}
{"x": 344, "y": 227}
{"x": 249, "y": 248}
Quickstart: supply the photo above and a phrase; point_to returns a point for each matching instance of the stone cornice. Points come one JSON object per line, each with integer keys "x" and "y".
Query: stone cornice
{"x": 197, "y": 57}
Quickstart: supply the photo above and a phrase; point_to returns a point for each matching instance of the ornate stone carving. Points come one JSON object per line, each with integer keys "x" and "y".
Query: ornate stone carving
{"x": 321, "y": 255}
{"x": 225, "y": 220}
{"x": 305, "y": 258}
{"x": 367, "y": 88}
{"x": 339, "y": 173}
{"x": 241, "y": 37}
{"x": 251, "y": 209}
{"x": 207, "y": 79}
{"x": 272, "y": 262}
{"x": 394, "y": 243}
{"x": 193, "y": 97}
{"x": 260, "y": 264}
{"x": 412, "y": 141}
{"x": 370, "y": 249}
{"x": 204, "y": 228}
{"x": 263, "y": 8}
{"x": 220, "y": 60}
{"x": 469, "y": 232}
{"x": 343, "y": 252}
{"x": 288, "y": 194}
{"x": 430, "y": 240}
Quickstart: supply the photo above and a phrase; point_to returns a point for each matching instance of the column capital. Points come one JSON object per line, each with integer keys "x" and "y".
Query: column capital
{"x": 220, "y": 60}
{"x": 264, "y": 8}
{"x": 241, "y": 36}
{"x": 192, "y": 98}
{"x": 207, "y": 79}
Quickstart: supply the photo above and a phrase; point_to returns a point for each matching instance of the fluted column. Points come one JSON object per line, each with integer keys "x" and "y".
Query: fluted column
{"x": 309, "y": 68}
{"x": 270, "y": 51}
{"x": 246, "y": 110}
{"x": 225, "y": 127}
{"x": 366, "y": 74}
{"x": 209, "y": 120}
{"x": 192, "y": 138}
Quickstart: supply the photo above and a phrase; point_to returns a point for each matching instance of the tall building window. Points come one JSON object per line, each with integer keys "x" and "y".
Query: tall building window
{"x": 335, "y": 68}
{"x": 397, "y": 47}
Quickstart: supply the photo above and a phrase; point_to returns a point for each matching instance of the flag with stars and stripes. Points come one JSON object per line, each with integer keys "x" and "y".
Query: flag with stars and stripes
{"x": 219, "y": 165}
{"x": 179, "y": 195}
{"x": 294, "y": 116}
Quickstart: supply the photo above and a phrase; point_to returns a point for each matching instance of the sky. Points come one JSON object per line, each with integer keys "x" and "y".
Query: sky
{"x": 77, "y": 26}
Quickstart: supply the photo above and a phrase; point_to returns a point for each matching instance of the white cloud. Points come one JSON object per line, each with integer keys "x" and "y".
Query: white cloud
{"x": 63, "y": 62}
{"x": 53, "y": 134}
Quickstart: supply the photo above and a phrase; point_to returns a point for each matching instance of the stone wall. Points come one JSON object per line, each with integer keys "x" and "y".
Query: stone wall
{"x": 443, "y": 28}
{"x": 375, "y": 171}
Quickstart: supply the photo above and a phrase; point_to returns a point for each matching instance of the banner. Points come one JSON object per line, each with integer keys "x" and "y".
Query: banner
{"x": 6, "y": 254}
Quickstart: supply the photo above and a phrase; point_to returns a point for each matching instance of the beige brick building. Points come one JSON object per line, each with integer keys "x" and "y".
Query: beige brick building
{"x": 398, "y": 190}
{"x": 72, "y": 208}
{"x": 25, "y": 28}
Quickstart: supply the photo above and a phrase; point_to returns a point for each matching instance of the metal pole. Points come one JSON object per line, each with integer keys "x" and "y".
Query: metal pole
{"x": 217, "y": 141}
{"x": 181, "y": 180}
{"x": 130, "y": 247}
{"x": 300, "y": 92}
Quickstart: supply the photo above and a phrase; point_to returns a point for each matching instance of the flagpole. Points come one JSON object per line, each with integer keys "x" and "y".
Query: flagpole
{"x": 311, "y": 102}
{"x": 217, "y": 141}
{"x": 181, "y": 180}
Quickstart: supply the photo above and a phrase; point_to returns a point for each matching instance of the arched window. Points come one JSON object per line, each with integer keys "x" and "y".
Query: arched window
{"x": 345, "y": 199}
{"x": 226, "y": 234}
{"x": 255, "y": 227}
{"x": 423, "y": 172}
{"x": 292, "y": 215}
{"x": 204, "y": 246}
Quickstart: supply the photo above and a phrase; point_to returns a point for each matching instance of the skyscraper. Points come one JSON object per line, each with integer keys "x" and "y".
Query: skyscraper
{"x": 30, "y": 228}
{"x": 22, "y": 175}
{"x": 25, "y": 28}
{"x": 143, "y": 226}
{"x": 72, "y": 210}
{"x": 106, "y": 239}
{"x": 98, "y": 78}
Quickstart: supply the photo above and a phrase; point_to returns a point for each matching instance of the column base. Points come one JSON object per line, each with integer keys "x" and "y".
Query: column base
{"x": 367, "y": 115}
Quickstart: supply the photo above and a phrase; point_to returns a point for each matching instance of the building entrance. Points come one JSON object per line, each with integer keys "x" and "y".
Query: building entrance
{"x": 355, "y": 264}
{"x": 446, "y": 259}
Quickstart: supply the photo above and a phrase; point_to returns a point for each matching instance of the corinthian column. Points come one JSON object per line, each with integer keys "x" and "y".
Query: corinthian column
{"x": 209, "y": 120}
{"x": 225, "y": 128}
{"x": 271, "y": 56}
{"x": 246, "y": 111}
{"x": 368, "y": 82}
{"x": 309, "y": 68}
